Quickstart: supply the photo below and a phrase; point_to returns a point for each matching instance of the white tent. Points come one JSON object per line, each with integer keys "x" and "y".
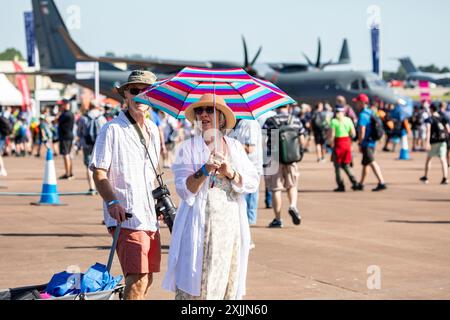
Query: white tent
{"x": 9, "y": 95}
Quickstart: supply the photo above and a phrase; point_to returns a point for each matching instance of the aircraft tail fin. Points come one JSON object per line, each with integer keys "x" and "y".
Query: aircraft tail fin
{"x": 344, "y": 57}
{"x": 408, "y": 65}
{"x": 57, "y": 49}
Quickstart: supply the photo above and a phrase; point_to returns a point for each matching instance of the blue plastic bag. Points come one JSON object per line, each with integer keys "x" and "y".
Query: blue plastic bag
{"x": 64, "y": 283}
{"x": 97, "y": 278}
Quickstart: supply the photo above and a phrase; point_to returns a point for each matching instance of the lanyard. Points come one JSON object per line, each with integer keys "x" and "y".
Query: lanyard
{"x": 142, "y": 139}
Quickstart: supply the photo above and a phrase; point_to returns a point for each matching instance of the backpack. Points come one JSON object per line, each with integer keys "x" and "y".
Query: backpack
{"x": 398, "y": 127}
{"x": 290, "y": 149}
{"x": 320, "y": 122}
{"x": 5, "y": 127}
{"x": 22, "y": 132}
{"x": 438, "y": 131}
{"x": 91, "y": 130}
{"x": 377, "y": 131}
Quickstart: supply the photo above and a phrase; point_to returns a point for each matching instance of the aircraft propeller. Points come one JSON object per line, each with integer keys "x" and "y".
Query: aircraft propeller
{"x": 248, "y": 66}
{"x": 344, "y": 57}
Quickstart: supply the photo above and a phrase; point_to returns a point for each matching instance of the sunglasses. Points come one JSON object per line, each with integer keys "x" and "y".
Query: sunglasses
{"x": 135, "y": 91}
{"x": 208, "y": 110}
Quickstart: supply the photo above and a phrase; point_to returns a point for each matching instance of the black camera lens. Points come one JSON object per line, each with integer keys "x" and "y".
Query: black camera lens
{"x": 164, "y": 205}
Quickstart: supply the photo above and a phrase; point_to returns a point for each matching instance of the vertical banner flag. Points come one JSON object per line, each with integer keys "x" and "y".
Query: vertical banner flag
{"x": 424, "y": 87}
{"x": 29, "y": 35}
{"x": 22, "y": 84}
{"x": 375, "y": 33}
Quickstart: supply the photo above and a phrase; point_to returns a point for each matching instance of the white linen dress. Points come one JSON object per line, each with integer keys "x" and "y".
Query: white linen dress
{"x": 209, "y": 249}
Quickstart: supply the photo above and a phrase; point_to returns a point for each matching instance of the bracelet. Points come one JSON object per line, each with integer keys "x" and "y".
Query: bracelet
{"x": 205, "y": 172}
{"x": 112, "y": 202}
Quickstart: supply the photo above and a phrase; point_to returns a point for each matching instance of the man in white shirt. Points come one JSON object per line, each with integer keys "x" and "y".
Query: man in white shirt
{"x": 125, "y": 179}
{"x": 248, "y": 133}
{"x": 266, "y": 159}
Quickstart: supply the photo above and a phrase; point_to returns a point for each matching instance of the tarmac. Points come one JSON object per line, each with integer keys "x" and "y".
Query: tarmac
{"x": 364, "y": 246}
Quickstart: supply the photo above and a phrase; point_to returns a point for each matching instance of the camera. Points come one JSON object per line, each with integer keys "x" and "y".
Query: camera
{"x": 164, "y": 205}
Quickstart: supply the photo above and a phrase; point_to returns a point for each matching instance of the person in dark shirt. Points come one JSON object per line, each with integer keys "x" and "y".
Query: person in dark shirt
{"x": 366, "y": 144}
{"x": 320, "y": 127}
{"x": 445, "y": 113}
{"x": 286, "y": 176}
{"x": 436, "y": 142}
{"x": 65, "y": 132}
{"x": 305, "y": 117}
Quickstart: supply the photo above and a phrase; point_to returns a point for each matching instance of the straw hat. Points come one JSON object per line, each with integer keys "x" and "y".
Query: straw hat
{"x": 207, "y": 100}
{"x": 137, "y": 77}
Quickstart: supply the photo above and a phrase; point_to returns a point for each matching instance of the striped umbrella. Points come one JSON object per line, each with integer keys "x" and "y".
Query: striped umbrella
{"x": 247, "y": 96}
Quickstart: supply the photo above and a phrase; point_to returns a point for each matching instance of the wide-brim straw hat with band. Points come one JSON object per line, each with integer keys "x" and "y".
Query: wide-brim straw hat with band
{"x": 137, "y": 77}
{"x": 207, "y": 100}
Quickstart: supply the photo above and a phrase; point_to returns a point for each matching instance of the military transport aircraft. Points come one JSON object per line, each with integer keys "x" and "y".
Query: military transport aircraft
{"x": 414, "y": 74}
{"x": 306, "y": 83}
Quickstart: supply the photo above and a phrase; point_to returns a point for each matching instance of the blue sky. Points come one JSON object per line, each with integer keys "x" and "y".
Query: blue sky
{"x": 211, "y": 30}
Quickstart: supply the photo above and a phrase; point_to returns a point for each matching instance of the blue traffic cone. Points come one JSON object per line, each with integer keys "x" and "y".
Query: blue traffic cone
{"x": 49, "y": 194}
{"x": 404, "y": 150}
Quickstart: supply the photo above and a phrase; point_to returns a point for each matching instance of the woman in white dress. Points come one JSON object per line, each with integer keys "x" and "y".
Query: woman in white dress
{"x": 211, "y": 237}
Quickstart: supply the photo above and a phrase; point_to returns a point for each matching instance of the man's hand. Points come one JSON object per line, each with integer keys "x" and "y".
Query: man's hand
{"x": 117, "y": 212}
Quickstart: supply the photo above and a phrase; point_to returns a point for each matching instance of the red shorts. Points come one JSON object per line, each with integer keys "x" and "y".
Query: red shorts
{"x": 137, "y": 251}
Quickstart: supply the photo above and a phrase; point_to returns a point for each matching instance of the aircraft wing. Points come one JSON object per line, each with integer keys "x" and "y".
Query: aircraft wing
{"x": 155, "y": 62}
{"x": 49, "y": 73}
{"x": 166, "y": 66}
{"x": 157, "y": 65}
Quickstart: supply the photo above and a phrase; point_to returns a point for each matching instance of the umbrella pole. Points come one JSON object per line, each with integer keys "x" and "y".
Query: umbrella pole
{"x": 113, "y": 247}
{"x": 215, "y": 117}
{"x": 213, "y": 178}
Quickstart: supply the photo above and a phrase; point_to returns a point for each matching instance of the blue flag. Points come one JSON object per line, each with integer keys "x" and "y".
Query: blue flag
{"x": 375, "y": 33}
{"x": 29, "y": 35}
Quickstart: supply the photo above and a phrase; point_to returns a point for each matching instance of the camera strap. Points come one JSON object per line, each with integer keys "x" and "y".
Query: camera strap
{"x": 142, "y": 139}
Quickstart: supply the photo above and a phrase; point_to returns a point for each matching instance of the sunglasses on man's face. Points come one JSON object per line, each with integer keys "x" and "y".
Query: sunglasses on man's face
{"x": 199, "y": 111}
{"x": 135, "y": 91}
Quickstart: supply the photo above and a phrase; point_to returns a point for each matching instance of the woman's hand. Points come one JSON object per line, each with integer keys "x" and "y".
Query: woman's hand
{"x": 226, "y": 170}
{"x": 214, "y": 162}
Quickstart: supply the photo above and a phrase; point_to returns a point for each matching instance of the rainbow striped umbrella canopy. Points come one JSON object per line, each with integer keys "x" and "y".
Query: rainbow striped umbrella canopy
{"x": 247, "y": 96}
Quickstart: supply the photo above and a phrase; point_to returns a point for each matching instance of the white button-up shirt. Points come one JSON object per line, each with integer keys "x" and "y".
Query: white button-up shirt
{"x": 248, "y": 132}
{"x": 118, "y": 150}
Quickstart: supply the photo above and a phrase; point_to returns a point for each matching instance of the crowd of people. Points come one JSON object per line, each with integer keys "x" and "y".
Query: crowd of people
{"x": 68, "y": 129}
{"x": 428, "y": 126}
{"x": 217, "y": 162}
